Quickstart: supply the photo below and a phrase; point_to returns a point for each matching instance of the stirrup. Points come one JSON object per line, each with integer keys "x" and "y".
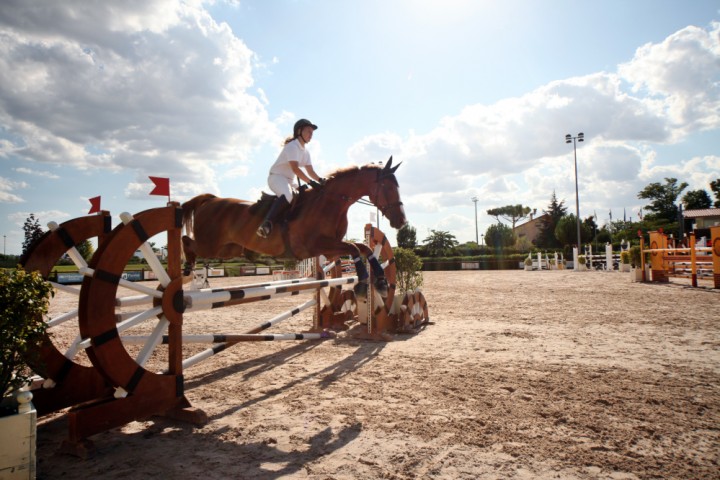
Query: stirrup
{"x": 264, "y": 229}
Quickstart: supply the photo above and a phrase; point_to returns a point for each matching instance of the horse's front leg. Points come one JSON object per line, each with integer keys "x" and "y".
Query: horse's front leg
{"x": 381, "y": 285}
{"x": 357, "y": 251}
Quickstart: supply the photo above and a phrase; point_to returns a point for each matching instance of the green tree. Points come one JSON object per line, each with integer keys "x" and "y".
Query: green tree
{"x": 499, "y": 236}
{"x": 663, "y": 199}
{"x": 715, "y": 187}
{"x": 33, "y": 231}
{"x": 86, "y": 249}
{"x": 439, "y": 243}
{"x": 511, "y": 213}
{"x": 556, "y": 210}
{"x": 406, "y": 237}
{"x": 696, "y": 199}
{"x": 566, "y": 230}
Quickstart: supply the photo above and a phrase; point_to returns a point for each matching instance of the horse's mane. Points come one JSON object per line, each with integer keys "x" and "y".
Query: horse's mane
{"x": 343, "y": 172}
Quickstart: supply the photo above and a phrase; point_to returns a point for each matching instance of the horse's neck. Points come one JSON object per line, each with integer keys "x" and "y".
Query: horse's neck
{"x": 354, "y": 187}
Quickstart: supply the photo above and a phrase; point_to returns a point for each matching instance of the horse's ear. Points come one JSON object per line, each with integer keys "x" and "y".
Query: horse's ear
{"x": 395, "y": 167}
{"x": 388, "y": 165}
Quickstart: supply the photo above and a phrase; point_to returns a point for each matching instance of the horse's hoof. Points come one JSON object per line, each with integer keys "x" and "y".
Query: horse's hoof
{"x": 381, "y": 287}
{"x": 360, "y": 290}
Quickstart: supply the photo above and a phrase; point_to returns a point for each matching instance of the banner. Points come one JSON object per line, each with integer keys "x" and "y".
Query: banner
{"x": 162, "y": 186}
{"x": 94, "y": 205}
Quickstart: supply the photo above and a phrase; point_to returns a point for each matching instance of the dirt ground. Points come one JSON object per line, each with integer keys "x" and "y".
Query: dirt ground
{"x": 522, "y": 375}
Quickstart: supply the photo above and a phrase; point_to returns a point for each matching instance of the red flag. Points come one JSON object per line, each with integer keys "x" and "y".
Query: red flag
{"x": 162, "y": 186}
{"x": 94, "y": 205}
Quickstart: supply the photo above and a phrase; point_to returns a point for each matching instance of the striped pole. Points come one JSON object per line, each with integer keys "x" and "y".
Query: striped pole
{"x": 227, "y": 295}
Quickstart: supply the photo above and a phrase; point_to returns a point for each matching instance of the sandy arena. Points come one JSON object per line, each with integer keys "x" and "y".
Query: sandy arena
{"x": 523, "y": 375}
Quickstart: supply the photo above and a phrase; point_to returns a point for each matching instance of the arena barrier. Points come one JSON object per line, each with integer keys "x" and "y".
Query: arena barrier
{"x": 694, "y": 262}
{"x": 119, "y": 386}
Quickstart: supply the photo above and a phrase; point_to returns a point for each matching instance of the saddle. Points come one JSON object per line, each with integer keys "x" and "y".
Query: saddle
{"x": 263, "y": 205}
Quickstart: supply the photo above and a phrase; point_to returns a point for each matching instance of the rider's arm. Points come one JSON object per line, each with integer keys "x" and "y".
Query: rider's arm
{"x": 298, "y": 171}
{"x": 312, "y": 173}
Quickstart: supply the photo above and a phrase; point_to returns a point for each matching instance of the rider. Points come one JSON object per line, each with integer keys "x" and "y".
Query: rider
{"x": 291, "y": 158}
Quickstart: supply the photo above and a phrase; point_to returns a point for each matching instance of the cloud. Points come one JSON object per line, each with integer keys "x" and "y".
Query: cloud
{"x": 684, "y": 71}
{"x": 513, "y": 151}
{"x": 36, "y": 173}
{"x": 6, "y": 191}
{"x": 142, "y": 85}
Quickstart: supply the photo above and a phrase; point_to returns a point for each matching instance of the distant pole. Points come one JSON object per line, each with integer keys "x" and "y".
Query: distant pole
{"x": 569, "y": 138}
{"x": 477, "y": 240}
{"x": 4, "y": 243}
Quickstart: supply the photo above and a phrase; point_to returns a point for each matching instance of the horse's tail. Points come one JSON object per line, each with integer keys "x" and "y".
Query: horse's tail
{"x": 188, "y": 209}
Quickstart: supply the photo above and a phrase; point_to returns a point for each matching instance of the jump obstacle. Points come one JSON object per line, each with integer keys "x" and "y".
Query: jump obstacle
{"x": 692, "y": 262}
{"x": 118, "y": 386}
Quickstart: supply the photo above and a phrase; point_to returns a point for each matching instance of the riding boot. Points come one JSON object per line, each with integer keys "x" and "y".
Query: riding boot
{"x": 267, "y": 225}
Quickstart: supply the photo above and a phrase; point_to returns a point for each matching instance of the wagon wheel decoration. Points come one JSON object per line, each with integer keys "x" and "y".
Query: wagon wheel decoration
{"x": 338, "y": 305}
{"x": 413, "y": 314}
{"x": 160, "y": 309}
{"x": 69, "y": 378}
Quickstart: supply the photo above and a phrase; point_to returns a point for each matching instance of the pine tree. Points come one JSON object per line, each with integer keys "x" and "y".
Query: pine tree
{"x": 33, "y": 231}
{"x": 556, "y": 210}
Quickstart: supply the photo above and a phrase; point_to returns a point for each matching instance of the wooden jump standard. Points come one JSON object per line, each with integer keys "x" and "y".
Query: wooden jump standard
{"x": 118, "y": 389}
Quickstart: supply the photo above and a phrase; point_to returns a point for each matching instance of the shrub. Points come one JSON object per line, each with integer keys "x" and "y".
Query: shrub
{"x": 24, "y": 299}
{"x": 624, "y": 257}
{"x": 408, "y": 267}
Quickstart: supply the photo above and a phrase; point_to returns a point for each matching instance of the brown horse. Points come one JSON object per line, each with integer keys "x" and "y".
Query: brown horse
{"x": 314, "y": 225}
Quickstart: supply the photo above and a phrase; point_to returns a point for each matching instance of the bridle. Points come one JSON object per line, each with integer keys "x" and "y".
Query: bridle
{"x": 379, "y": 187}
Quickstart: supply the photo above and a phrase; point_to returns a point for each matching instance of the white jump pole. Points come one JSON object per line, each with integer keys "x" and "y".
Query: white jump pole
{"x": 225, "y": 295}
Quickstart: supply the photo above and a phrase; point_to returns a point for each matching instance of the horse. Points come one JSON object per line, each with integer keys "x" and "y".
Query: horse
{"x": 314, "y": 225}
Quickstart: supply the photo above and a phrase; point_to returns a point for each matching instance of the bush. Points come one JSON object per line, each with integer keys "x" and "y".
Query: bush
{"x": 25, "y": 299}
{"x": 408, "y": 267}
{"x": 624, "y": 257}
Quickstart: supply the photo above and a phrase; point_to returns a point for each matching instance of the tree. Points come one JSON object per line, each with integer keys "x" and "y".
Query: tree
{"x": 499, "y": 236}
{"x": 566, "y": 230}
{"x": 85, "y": 248}
{"x": 33, "y": 231}
{"x": 438, "y": 243}
{"x": 511, "y": 213}
{"x": 663, "y": 199}
{"x": 696, "y": 199}
{"x": 406, "y": 237}
{"x": 715, "y": 187}
{"x": 556, "y": 210}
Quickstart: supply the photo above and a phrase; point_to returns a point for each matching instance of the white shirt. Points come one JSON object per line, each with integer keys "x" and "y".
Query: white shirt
{"x": 292, "y": 152}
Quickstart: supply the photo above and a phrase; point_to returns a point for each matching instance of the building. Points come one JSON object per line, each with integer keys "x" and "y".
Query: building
{"x": 531, "y": 228}
{"x": 703, "y": 218}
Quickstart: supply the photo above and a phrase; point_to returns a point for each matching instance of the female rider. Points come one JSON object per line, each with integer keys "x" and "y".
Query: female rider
{"x": 289, "y": 164}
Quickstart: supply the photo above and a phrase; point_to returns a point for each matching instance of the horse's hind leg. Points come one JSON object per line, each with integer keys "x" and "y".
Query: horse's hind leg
{"x": 190, "y": 255}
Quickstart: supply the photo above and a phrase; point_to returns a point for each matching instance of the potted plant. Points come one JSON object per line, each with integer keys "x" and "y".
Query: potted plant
{"x": 528, "y": 263}
{"x": 581, "y": 262}
{"x": 624, "y": 261}
{"x": 24, "y": 299}
{"x": 636, "y": 271}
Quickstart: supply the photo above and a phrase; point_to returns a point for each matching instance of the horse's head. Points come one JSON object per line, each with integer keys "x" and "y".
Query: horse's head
{"x": 385, "y": 194}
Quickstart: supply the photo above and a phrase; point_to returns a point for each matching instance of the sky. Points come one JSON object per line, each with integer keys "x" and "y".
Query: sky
{"x": 474, "y": 97}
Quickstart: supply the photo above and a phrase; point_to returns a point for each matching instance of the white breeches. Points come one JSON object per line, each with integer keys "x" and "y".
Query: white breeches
{"x": 280, "y": 186}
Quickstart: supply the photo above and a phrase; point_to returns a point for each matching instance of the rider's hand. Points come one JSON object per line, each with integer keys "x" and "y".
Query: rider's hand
{"x": 322, "y": 180}
{"x": 314, "y": 184}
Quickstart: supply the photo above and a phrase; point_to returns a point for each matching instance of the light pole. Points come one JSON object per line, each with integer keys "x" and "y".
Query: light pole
{"x": 475, "y": 200}
{"x": 580, "y": 138}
